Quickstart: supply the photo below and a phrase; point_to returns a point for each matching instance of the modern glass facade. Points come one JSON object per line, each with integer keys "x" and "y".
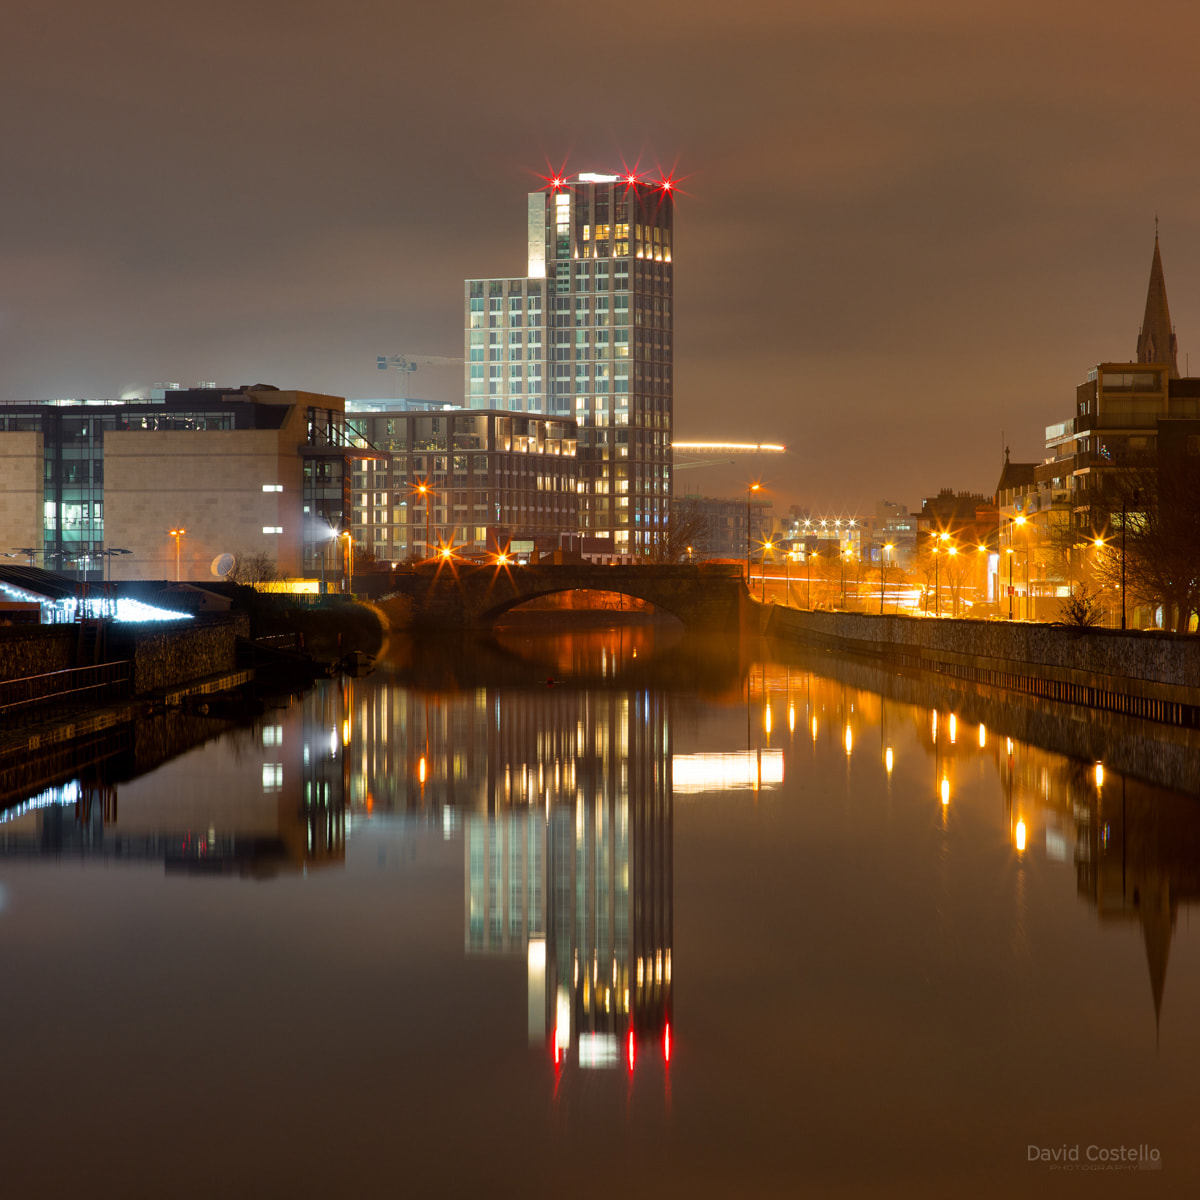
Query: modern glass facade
{"x": 588, "y": 334}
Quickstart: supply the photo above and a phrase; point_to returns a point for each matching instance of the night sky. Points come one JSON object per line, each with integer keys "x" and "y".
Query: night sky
{"x": 905, "y": 227}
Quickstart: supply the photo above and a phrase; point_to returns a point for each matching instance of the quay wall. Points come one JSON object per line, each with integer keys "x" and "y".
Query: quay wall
{"x": 165, "y": 655}
{"x": 36, "y": 649}
{"x": 1150, "y": 675}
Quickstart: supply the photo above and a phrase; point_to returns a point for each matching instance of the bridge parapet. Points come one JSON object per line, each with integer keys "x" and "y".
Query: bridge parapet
{"x": 705, "y": 597}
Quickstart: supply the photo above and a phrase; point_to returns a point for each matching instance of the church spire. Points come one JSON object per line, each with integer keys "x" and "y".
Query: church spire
{"x": 1156, "y": 341}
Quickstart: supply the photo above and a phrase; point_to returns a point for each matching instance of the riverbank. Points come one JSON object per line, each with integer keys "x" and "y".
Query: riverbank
{"x": 1154, "y": 676}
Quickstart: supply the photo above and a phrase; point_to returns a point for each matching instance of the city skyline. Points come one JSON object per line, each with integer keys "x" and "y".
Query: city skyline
{"x": 860, "y": 190}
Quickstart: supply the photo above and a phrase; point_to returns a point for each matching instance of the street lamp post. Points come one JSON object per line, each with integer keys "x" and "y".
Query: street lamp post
{"x": 754, "y": 487}
{"x": 953, "y": 552}
{"x": 763, "y": 569}
{"x": 1020, "y": 524}
{"x": 177, "y": 534}
{"x": 1124, "y": 522}
{"x": 349, "y": 561}
{"x": 426, "y": 493}
{"x": 882, "y": 572}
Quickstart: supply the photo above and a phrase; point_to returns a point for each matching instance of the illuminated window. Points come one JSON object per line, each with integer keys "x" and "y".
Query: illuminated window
{"x": 272, "y": 529}
{"x": 272, "y": 487}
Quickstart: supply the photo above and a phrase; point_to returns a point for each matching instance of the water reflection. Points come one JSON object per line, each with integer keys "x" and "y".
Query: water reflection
{"x": 557, "y": 761}
{"x": 260, "y": 801}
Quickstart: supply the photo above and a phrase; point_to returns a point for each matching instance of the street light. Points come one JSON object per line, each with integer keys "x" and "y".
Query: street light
{"x": 177, "y": 534}
{"x": 349, "y": 555}
{"x": 1020, "y": 522}
{"x": 754, "y": 487}
{"x": 882, "y": 570}
{"x": 108, "y": 556}
{"x": 426, "y": 493}
{"x": 1124, "y": 522}
{"x": 763, "y": 567}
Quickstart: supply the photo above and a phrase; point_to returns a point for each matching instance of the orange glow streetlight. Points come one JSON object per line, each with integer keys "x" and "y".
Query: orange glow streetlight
{"x": 754, "y": 487}
{"x": 427, "y": 494}
{"x": 177, "y": 534}
{"x": 349, "y": 556}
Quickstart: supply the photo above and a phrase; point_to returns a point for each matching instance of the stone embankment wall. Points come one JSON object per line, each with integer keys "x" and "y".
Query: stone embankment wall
{"x": 36, "y": 649}
{"x": 166, "y": 655}
{"x": 1152, "y": 675}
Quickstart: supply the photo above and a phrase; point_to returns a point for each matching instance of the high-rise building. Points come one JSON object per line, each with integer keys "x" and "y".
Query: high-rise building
{"x": 587, "y": 334}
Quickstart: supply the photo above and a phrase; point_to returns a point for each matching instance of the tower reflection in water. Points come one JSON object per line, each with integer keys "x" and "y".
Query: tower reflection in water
{"x": 570, "y": 866}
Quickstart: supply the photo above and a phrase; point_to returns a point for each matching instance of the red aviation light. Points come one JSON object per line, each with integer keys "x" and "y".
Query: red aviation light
{"x": 631, "y": 180}
{"x": 667, "y": 1044}
{"x": 557, "y": 1048}
{"x": 629, "y": 1051}
{"x": 666, "y": 184}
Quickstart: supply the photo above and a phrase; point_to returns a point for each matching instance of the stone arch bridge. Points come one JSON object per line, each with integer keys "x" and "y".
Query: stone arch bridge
{"x": 705, "y": 597}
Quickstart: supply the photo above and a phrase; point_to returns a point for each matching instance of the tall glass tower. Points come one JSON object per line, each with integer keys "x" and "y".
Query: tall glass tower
{"x": 587, "y": 335}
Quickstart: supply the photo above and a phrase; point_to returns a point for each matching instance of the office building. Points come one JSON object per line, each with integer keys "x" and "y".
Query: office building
{"x": 586, "y": 335}
{"x": 176, "y": 482}
{"x": 457, "y": 478}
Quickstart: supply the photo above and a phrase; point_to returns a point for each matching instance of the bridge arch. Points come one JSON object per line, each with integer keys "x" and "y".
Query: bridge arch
{"x": 705, "y": 596}
{"x": 489, "y": 616}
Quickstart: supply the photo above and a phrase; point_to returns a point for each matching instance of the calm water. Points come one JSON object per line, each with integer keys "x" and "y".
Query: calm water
{"x": 596, "y": 913}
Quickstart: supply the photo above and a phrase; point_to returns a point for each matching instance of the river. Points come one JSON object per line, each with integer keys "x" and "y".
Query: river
{"x": 607, "y": 911}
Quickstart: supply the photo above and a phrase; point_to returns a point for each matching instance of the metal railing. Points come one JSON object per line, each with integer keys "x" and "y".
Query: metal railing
{"x": 97, "y": 685}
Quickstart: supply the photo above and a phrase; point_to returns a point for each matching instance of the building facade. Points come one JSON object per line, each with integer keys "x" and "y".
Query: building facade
{"x": 587, "y": 335}
{"x": 251, "y": 470}
{"x": 463, "y": 479}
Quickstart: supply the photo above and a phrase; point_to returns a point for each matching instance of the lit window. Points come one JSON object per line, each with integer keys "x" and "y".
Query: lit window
{"x": 272, "y": 487}
{"x": 272, "y": 529}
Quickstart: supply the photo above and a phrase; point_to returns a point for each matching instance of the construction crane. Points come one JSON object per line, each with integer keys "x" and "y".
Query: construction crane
{"x": 406, "y": 363}
{"x": 683, "y": 452}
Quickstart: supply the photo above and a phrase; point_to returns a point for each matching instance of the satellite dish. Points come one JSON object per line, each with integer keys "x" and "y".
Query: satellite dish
{"x": 222, "y": 565}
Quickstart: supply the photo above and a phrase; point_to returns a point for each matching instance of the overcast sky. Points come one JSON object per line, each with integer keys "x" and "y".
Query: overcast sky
{"x": 906, "y": 227}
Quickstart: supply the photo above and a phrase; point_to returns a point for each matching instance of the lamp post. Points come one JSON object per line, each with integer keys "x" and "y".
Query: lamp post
{"x": 754, "y": 487}
{"x": 882, "y": 572}
{"x": 1124, "y": 522}
{"x": 763, "y": 568}
{"x": 177, "y": 534}
{"x": 108, "y": 555}
{"x": 953, "y": 552}
{"x": 843, "y": 556}
{"x": 426, "y": 493}
{"x": 349, "y": 555}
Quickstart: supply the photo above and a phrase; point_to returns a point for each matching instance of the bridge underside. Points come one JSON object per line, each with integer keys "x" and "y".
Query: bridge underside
{"x": 707, "y": 597}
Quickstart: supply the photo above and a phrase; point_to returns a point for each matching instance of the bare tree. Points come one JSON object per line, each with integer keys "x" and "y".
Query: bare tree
{"x": 258, "y": 567}
{"x": 685, "y": 537}
{"x": 1083, "y": 609}
{"x": 1161, "y": 555}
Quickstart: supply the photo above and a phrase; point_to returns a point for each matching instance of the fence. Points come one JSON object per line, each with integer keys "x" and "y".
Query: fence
{"x": 93, "y": 685}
